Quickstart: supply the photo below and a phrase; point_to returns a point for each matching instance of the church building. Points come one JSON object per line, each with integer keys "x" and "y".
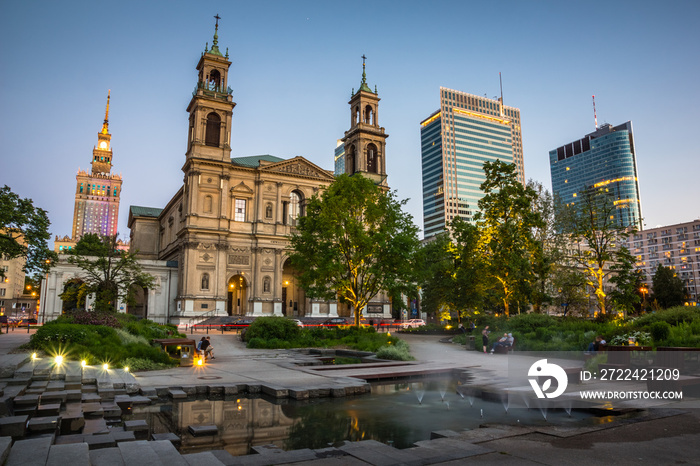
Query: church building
{"x": 227, "y": 229}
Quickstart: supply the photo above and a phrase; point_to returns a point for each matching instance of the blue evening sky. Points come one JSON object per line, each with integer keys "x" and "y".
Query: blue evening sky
{"x": 294, "y": 64}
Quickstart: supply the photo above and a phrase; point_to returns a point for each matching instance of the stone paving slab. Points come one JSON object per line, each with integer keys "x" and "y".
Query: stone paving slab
{"x": 13, "y": 426}
{"x": 43, "y": 424}
{"x": 167, "y": 453}
{"x": 5, "y": 445}
{"x": 98, "y": 441}
{"x": 95, "y": 426}
{"x": 29, "y": 452}
{"x": 204, "y": 458}
{"x": 75, "y": 454}
{"x": 138, "y": 453}
{"x": 376, "y": 453}
{"x": 106, "y": 457}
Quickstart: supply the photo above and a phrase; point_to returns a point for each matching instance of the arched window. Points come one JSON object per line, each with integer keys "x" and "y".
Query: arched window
{"x": 214, "y": 80}
{"x": 368, "y": 114}
{"x": 350, "y": 161}
{"x": 356, "y": 116}
{"x": 213, "y": 130}
{"x": 371, "y": 158}
{"x": 205, "y": 281}
{"x": 266, "y": 284}
{"x": 207, "y": 204}
{"x": 295, "y": 207}
{"x": 268, "y": 210}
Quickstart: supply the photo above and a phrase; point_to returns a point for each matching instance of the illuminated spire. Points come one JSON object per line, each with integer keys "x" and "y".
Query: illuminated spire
{"x": 105, "y": 125}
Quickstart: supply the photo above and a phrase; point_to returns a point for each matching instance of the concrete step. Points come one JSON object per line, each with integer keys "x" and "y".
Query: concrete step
{"x": 205, "y": 458}
{"x": 167, "y": 453}
{"x": 31, "y": 451}
{"x": 11, "y": 362}
{"x": 74, "y": 454}
{"x": 139, "y": 453}
{"x": 107, "y": 457}
{"x": 5, "y": 445}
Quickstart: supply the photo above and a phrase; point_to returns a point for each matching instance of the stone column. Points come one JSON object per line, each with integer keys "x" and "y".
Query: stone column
{"x": 259, "y": 184}
{"x": 278, "y": 210}
{"x": 278, "y": 283}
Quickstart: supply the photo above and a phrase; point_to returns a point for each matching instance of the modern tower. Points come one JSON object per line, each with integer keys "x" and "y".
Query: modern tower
{"x": 98, "y": 192}
{"x": 605, "y": 159}
{"x": 365, "y": 141}
{"x": 456, "y": 140}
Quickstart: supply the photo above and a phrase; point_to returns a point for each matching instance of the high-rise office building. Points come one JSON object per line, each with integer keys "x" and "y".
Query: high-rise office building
{"x": 339, "y": 158}
{"x": 605, "y": 159}
{"x": 456, "y": 140}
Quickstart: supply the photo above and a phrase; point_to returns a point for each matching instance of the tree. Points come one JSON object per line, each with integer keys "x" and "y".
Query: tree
{"x": 506, "y": 221}
{"x": 548, "y": 248}
{"x": 569, "y": 290}
{"x": 627, "y": 280}
{"x": 595, "y": 237}
{"x": 668, "y": 288}
{"x": 107, "y": 272}
{"x": 24, "y": 232}
{"x": 354, "y": 242}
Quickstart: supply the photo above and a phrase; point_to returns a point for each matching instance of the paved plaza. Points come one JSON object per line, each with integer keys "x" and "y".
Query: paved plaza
{"x": 659, "y": 436}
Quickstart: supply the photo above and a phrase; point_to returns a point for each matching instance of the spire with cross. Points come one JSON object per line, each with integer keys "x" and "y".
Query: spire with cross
{"x": 215, "y": 45}
{"x": 363, "y": 84}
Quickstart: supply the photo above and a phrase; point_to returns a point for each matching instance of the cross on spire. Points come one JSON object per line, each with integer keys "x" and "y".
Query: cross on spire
{"x": 217, "y": 20}
{"x": 364, "y": 75}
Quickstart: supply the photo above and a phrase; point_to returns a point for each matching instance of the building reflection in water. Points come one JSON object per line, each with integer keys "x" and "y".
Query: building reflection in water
{"x": 241, "y": 422}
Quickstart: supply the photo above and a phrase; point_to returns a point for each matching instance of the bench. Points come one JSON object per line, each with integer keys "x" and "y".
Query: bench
{"x": 505, "y": 349}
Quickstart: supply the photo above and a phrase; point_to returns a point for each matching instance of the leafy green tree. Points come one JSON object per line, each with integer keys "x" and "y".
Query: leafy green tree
{"x": 24, "y": 232}
{"x": 506, "y": 221}
{"x": 107, "y": 272}
{"x": 668, "y": 288}
{"x": 547, "y": 250}
{"x": 569, "y": 286}
{"x": 437, "y": 266}
{"x": 354, "y": 242}
{"x": 595, "y": 237}
{"x": 628, "y": 281}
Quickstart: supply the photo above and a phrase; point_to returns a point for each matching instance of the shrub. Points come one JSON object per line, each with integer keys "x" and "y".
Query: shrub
{"x": 94, "y": 318}
{"x": 269, "y": 328}
{"x": 398, "y": 351}
{"x": 140, "y": 364}
{"x": 659, "y": 331}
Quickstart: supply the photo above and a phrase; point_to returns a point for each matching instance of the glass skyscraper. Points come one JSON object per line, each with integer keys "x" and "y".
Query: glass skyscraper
{"x": 605, "y": 159}
{"x": 456, "y": 140}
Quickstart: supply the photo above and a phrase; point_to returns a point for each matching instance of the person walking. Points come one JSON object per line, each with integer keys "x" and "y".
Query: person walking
{"x": 485, "y": 338}
{"x": 209, "y": 351}
{"x": 203, "y": 345}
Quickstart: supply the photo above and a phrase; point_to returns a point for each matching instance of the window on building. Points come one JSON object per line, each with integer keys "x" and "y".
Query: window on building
{"x": 295, "y": 207}
{"x": 372, "y": 158}
{"x": 2, "y": 291}
{"x": 213, "y": 130}
{"x": 239, "y": 213}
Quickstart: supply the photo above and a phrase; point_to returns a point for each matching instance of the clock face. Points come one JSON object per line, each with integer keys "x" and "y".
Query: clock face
{"x": 103, "y": 145}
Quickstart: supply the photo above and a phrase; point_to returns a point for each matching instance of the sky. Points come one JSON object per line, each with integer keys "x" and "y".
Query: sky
{"x": 294, "y": 64}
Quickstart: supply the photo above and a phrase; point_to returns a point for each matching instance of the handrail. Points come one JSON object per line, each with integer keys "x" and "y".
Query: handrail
{"x": 200, "y": 317}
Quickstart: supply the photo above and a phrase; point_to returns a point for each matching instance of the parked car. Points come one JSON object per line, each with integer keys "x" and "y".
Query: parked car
{"x": 334, "y": 322}
{"x": 413, "y": 323}
{"x": 299, "y": 323}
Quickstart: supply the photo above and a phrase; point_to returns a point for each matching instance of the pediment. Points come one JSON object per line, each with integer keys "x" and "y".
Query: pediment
{"x": 242, "y": 188}
{"x": 301, "y": 167}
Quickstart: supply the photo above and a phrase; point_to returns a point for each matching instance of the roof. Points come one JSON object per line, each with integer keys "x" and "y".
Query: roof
{"x": 254, "y": 160}
{"x": 138, "y": 211}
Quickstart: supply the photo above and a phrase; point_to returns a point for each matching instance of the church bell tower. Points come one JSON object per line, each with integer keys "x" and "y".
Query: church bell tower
{"x": 365, "y": 141}
{"x": 211, "y": 107}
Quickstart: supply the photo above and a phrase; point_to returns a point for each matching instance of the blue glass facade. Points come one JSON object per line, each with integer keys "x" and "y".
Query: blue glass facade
{"x": 602, "y": 159}
{"x": 339, "y": 157}
{"x": 455, "y": 142}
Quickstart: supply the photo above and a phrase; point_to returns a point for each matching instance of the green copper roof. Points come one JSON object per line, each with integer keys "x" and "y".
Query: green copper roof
{"x": 215, "y": 46}
{"x": 138, "y": 211}
{"x": 363, "y": 84}
{"x": 254, "y": 160}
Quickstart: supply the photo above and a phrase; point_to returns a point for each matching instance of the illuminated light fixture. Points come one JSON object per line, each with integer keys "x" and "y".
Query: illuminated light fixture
{"x": 200, "y": 362}
{"x": 33, "y": 356}
{"x": 567, "y": 169}
{"x": 105, "y": 366}
{"x": 485, "y": 117}
{"x": 59, "y": 360}
{"x": 83, "y": 363}
{"x": 126, "y": 368}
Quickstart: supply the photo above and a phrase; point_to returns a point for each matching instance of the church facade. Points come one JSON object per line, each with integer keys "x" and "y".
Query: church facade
{"x": 227, "y": 228}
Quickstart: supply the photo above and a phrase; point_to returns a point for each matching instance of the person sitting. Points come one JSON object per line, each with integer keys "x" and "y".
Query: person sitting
{"x": 594, "y": 346}
{"x": 209, "y": 351}
{"x": 202, "y": 347}
{"x": 501, "y": 342}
